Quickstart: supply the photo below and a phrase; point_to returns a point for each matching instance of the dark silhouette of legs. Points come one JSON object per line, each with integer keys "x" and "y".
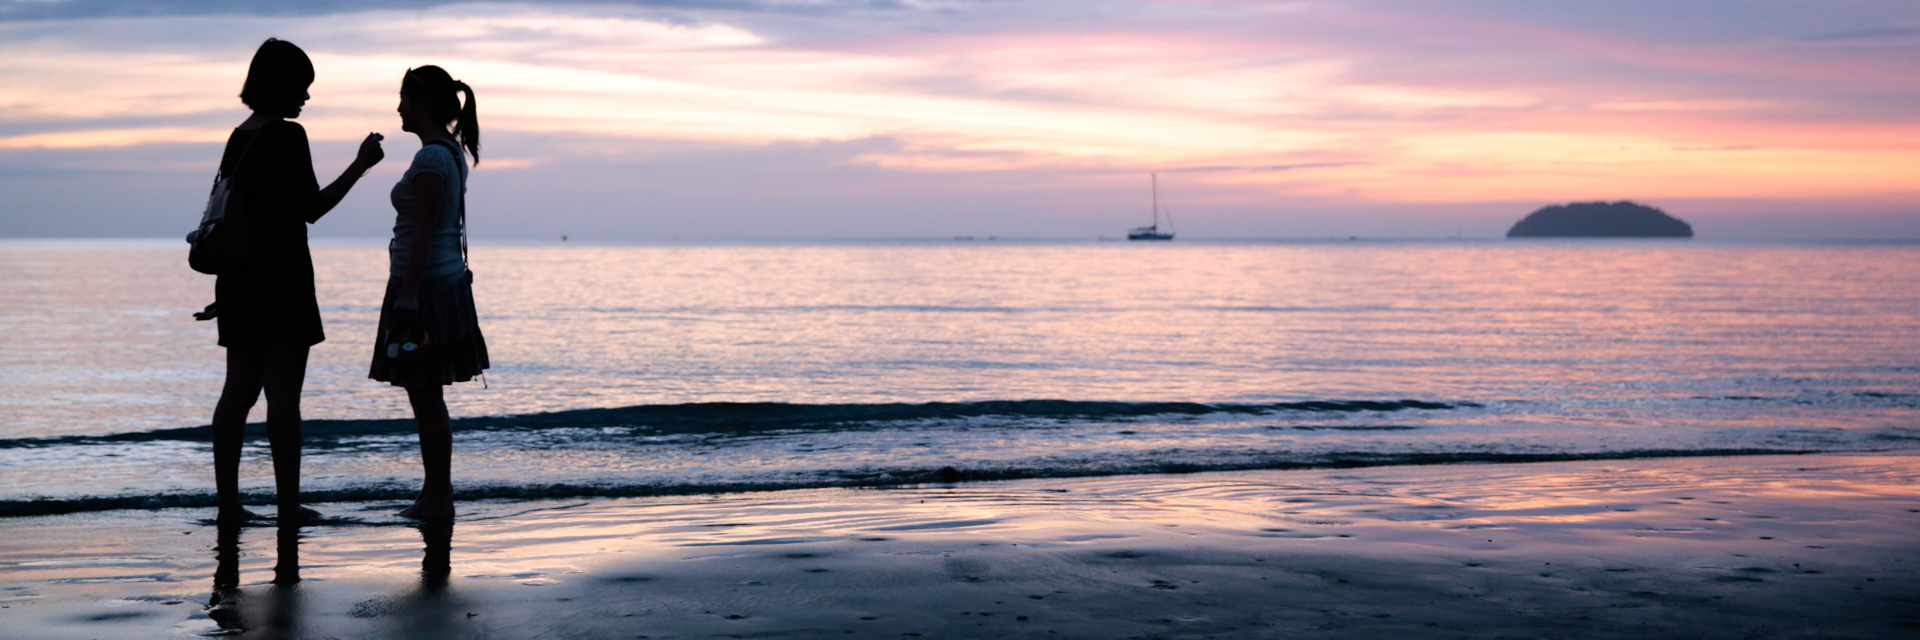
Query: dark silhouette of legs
{"x": 436, "y": 453}
{"x": 244, "y": 370}
{"x": 286, "y": 370}
{"x": 280, "y": 371}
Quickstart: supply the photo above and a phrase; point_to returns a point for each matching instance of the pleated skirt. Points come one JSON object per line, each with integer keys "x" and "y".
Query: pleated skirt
{"x": 456, "y": 351}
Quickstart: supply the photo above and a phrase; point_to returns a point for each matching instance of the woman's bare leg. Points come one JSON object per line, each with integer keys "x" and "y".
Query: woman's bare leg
{"x": 285, "y": 371}
{"x": 245, "y": 369}
{"x": 436, "y": 453}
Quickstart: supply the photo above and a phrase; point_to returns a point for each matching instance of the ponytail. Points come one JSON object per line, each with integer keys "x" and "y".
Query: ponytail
{"x": 432, "y": 85}
{"x": 467, "y": 129}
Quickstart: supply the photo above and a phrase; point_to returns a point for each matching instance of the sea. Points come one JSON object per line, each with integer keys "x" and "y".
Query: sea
{"x": 694, "y": 368}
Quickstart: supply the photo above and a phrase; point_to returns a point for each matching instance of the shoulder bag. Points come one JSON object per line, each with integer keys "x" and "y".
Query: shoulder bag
{"x": 224, "y": 240}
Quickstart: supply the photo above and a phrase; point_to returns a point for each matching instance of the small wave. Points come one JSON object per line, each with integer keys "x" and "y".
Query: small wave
{"x": 1846, "y": 399}
{"x": 736, "y": 417}
{"x": 848, "y": 479}
{"x": 1384, "y": 427}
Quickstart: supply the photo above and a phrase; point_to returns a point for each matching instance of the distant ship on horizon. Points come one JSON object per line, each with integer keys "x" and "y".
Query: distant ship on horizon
{"x": 1153, "y": 232}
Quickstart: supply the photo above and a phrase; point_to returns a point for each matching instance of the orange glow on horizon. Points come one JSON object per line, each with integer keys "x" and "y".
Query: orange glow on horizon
{"x": 1123, "y": 99}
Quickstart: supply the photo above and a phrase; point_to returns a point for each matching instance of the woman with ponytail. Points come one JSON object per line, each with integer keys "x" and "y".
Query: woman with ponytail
{"x": 429, "y": 333}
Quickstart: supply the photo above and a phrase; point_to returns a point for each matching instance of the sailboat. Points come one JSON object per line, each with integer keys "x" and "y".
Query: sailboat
{"x": 1153, "y": 232}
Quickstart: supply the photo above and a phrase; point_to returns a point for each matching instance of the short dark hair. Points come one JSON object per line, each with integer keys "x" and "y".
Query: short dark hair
{"x": 278, "y": 77}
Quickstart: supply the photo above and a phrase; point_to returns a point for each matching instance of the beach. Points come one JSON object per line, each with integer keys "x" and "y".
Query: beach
{"x": 843, "y": 319}
{"x": 1736, "y": 547}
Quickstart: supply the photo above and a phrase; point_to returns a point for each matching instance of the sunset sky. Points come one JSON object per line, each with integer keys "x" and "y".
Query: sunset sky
{"x": 820, "y": 119}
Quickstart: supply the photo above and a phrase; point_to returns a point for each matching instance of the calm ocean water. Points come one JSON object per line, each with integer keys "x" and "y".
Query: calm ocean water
{"x": 632, "y": 370}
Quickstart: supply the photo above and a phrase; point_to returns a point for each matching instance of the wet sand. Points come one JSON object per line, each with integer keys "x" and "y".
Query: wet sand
{"x": 1762, "y": 547}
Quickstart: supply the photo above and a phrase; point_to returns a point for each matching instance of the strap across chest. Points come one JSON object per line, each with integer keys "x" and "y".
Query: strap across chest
{"x": 455, "y": 148}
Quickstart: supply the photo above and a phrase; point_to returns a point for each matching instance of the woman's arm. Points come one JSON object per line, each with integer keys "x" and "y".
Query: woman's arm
{"x": 427, "y": 186}
{"x": 369, "y": 155}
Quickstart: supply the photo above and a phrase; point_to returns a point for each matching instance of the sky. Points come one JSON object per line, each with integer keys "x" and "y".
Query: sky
{"x": 750, "y": 119}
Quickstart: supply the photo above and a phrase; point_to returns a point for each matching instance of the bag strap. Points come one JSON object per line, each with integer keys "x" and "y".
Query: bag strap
{"x": 219, "y": 175}
{"x": 455, "y": 148}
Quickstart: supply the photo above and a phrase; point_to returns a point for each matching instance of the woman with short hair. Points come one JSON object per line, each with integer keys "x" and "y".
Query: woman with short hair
{"x": 429, "y": 334}
{"x": 266, "y": 309}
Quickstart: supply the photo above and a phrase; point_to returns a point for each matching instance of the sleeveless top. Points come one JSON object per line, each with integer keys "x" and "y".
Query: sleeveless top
{"x": 443, "y": 251}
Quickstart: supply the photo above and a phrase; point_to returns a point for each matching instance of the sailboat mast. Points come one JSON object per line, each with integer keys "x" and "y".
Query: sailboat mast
{"x": 1155, "y": 176}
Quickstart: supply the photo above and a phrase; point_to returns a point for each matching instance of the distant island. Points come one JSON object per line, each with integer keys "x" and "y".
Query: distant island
{"x": 1600, "y": 220}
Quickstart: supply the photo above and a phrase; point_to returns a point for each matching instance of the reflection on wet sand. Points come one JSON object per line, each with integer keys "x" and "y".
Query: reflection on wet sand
{"x": 276, "y": 613}
{"x": 1601, "y": 549}
{"x": 431, "y": 609}
{"x": 437, "y": 563}
{"x": 224, "y": 606}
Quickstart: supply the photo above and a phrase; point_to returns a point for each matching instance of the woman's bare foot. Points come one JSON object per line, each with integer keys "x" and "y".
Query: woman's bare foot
{"x": 236, "y": 515}
{"x": 301, "y": 515}
{"x": 430, "y": 508}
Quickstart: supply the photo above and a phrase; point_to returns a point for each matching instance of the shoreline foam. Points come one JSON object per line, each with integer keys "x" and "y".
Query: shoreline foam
{"x": 865, "y": 478}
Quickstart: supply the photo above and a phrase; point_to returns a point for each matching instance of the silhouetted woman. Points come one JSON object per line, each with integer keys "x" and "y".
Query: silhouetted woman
{"x": 267, "y": 312}
{"x": 429, "y": 334}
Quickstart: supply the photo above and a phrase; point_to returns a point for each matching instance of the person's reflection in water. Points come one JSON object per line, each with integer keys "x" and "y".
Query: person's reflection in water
{"x": 432, "y": 610}
{"x": 283, "y": 615}
{"x": 279, "y": 614}
{"x": 224, "y": 606}
{"x": 438, "y": 563}
{"x": 286, "y": 565}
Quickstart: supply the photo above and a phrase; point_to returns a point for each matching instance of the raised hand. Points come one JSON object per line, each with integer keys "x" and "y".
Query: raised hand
{"x": 370, "y": 151}
{"x": 369, "y": 155}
